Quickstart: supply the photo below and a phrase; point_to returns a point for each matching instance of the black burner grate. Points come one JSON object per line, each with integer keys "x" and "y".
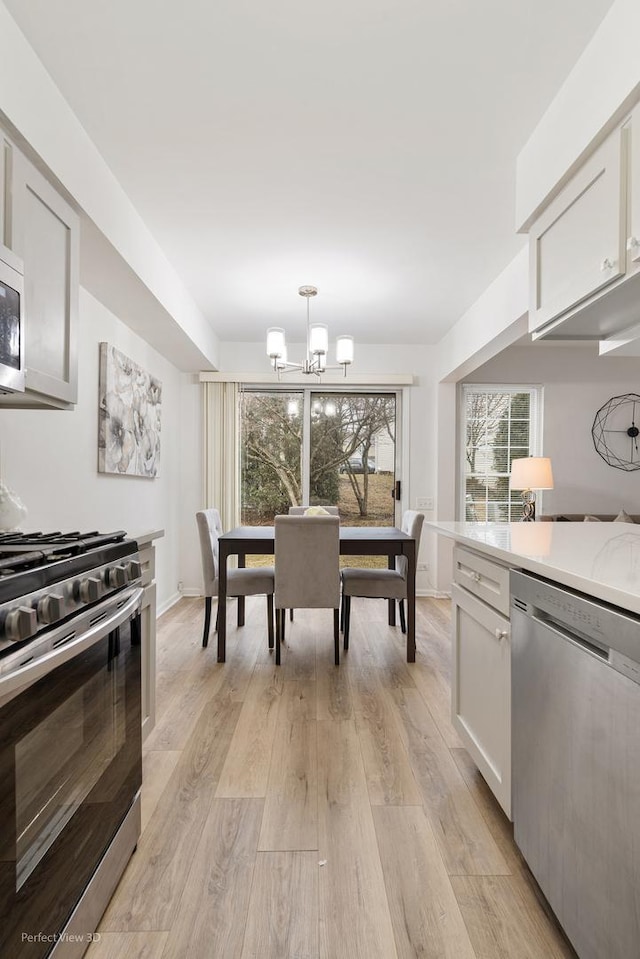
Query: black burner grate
{"x": 31, "y": 561}
{"x": 84, "y": 541}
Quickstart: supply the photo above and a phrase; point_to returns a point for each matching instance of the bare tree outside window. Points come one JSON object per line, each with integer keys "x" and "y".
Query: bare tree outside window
{"x": 500, "y": 425}
{"x": 480, "y": 408}
{"x": 271, "y": 444}
{"x": 346, "y": 432}
{"x": 351, "y": 454}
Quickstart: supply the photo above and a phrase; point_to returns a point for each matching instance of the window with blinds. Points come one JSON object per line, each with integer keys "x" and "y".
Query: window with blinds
{"x": 499, "y": 424}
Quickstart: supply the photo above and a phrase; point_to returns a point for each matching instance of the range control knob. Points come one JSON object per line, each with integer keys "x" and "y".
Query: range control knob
{"x": 134, "y": 569}
{"x": 21, "y": 623}
{"x": 90, "y": 589}
{"x": 51, "y": 608}
{"x": 117, "y": 576}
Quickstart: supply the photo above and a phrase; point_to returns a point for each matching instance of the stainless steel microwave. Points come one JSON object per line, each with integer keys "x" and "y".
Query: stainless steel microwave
{"x": 12, "y": 374}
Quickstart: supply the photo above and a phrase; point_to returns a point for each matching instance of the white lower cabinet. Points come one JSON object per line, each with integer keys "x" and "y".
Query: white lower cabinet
{"x": 147, "y": 556}
{"x": 148, "y": 641}
{"x": 481, "y": 689}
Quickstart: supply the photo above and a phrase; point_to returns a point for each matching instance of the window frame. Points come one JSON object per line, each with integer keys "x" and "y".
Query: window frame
{"x": 536, "y": 393}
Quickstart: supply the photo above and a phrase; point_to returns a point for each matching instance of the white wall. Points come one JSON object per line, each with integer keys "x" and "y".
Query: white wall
{"x": 34, "y": 106}
{"x": 576, "y": 384}
{"x": 447, "y": 444}
{"x": 419, "y": 423}
{"x": 495, "y": 321}
{"x": 191, "y": 484}
{"x": 49, "y": 457}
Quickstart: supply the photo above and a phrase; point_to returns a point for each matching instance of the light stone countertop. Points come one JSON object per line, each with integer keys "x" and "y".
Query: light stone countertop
{"x": 143, "y": 538}
{"x": 599, "y": 559}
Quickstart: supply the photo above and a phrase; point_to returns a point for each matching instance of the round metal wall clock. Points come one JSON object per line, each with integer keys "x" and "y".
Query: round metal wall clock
{"x": 616, "y": 432}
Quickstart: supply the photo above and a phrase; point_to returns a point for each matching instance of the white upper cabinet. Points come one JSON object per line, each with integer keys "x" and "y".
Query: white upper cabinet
{"x": 577, "y": 246}
{"x": 633, "y": 232}
{"x": 45, "y": 235}
{"x": 5, "y": 186}
{"x": 585, "y": 247}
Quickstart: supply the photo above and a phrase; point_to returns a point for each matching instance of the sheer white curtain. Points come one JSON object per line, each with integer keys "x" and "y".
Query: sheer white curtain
{"x": 222, "y": 451}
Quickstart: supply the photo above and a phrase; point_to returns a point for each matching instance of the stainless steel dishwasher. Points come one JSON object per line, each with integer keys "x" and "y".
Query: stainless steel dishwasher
{"x": 576, "y": 761}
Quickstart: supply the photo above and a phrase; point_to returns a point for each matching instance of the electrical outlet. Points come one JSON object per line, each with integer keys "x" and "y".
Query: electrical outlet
{"x": 424, "y": 502}
{"x": 180, "y": 586}
{"x": 423, "y": 567}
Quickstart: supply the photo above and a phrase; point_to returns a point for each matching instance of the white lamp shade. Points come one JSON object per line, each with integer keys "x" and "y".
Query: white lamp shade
{"x": 318, "y": 339}
{"x": 531, "y": 472}
{"x": 281, "y": 361}
{"x": 275, "y": 342}
{"x": 344, "y": 350}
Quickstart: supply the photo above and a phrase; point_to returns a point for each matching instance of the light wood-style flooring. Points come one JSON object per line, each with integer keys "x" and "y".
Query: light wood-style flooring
{"x": 318, "y": 812}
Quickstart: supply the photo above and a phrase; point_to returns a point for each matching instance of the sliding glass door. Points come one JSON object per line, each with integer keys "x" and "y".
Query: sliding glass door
{"x": 271, "y": 454}
{"x": 313, "y": 447}
{"x": 352, "y": 455}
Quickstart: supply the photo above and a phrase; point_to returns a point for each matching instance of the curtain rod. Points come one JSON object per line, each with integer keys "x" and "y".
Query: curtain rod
{"x": 364, "y": 379}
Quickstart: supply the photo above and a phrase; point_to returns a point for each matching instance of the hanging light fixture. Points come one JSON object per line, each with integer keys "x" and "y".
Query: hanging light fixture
{"x": 317, "y": 346}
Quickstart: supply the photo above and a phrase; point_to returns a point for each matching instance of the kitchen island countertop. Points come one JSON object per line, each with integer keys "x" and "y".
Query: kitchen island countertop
{"x": 599, "y": 559}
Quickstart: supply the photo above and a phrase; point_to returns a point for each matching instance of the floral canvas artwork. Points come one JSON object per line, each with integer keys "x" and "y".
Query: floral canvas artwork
{"x": 130, "y": 408}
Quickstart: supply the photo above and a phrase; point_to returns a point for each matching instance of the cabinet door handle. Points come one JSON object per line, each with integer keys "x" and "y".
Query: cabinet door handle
{"x": 607, "y": 264}
{"x": 501, "y": 634}
{"x": 476, "y": 577}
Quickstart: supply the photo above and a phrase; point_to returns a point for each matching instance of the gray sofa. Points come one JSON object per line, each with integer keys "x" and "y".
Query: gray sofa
{"x": 579, "y": 517}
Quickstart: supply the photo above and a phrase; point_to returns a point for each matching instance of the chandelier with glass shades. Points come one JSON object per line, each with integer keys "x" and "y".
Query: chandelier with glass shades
{"x": 317, "y": 346}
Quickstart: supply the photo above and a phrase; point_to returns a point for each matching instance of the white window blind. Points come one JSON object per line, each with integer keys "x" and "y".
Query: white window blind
{"x": 499, "y": 424}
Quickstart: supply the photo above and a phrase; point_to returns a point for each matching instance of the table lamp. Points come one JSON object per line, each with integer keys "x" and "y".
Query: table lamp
{"x": 527, "y": 474}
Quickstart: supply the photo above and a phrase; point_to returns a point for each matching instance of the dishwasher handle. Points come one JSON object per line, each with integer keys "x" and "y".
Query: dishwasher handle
{"x": 608, "y": 632}
{"x": 598, "y": 651}
{"x": 613, "y": 658}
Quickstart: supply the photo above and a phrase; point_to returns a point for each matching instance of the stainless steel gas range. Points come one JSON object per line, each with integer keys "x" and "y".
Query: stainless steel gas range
{"x": 70, "y": 740}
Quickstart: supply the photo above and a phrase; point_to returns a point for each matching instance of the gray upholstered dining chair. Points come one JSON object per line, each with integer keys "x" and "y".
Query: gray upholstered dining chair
{"x": 240, "y": 582}
{"x": 307, "y": 557}
{"x": 301, "y": 510}
{"x": 381, "y": 583}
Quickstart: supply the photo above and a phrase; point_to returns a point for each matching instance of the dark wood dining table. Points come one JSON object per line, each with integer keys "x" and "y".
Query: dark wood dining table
{"x": 354, "y": 541}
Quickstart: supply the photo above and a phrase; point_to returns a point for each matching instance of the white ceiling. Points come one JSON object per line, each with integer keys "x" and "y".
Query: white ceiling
{"x": 364, "y": 146}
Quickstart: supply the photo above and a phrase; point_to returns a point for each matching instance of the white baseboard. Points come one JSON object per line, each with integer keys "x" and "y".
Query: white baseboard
{"x": 168, "y": 603}
{"x": 192, "y": 592}
{"x": 433, "y": 593}
{"x": 177, "y": 596}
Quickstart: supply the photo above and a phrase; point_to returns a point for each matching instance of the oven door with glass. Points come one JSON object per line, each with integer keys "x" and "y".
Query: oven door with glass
{"x": 70, "y": 769}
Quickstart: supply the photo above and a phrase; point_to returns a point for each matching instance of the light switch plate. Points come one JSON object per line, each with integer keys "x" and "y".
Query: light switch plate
{"x": 424, "y": 502}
